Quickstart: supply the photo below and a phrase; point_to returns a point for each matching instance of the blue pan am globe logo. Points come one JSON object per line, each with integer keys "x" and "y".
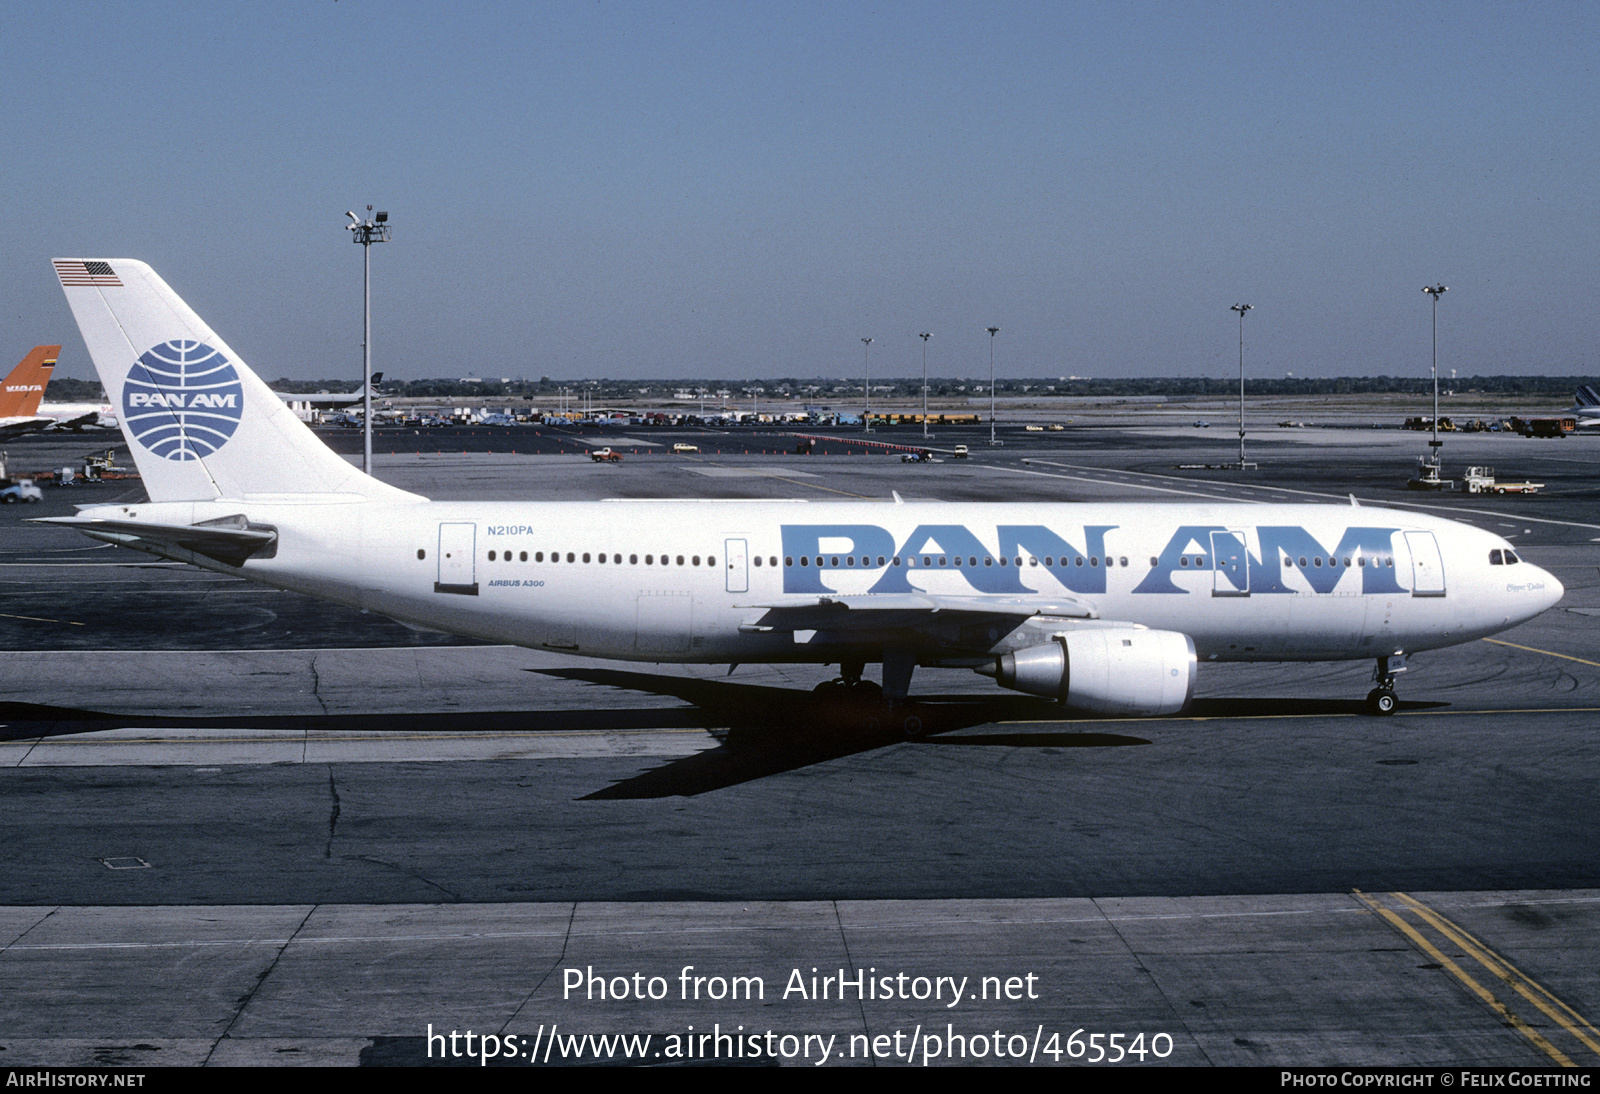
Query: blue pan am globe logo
{"x": 182, "y": 400}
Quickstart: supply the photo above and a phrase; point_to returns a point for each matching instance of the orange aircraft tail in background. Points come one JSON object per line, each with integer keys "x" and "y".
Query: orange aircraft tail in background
{"x": 23, "y": 390}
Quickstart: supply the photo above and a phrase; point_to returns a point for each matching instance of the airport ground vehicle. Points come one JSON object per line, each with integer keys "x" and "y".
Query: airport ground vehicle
{"x": 605, "y": 455}
{"x": 21, "y": 490}
{"x": 1544, "y": 427}
{"x": 1109, "y": 608}
{"x": 683, "y": 447}
{"x": 960, "y": 452}
{"x": 1481, "y": 480}
{"x": 921, "y": 455}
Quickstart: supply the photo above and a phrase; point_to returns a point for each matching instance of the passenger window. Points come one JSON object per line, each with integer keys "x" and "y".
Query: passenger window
{"x": 422, "y": 555}
{"x": 524, "y": 557}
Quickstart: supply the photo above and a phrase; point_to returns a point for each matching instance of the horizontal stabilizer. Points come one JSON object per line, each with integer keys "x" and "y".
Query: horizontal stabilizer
{"x": 228, "y": 540}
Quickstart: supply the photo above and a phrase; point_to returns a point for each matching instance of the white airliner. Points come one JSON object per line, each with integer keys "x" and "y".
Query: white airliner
{"x": 1107, "y": 607}
{"x": 1586, "y": 406}
{"x": 332, "y": 400}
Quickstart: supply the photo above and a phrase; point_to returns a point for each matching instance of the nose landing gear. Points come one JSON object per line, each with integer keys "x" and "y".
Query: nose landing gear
{"x": 1382, "y": 700}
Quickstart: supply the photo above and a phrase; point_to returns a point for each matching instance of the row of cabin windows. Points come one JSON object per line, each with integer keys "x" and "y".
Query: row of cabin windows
{"x": 601, "y": 558}
{"x": 826, "y": 561}
{"x": 1496, "y": 558}
{"x": 1315, "y": 562}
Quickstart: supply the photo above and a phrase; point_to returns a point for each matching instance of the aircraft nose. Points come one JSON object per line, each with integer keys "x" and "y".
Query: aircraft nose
{"x": 1553, "y": 589}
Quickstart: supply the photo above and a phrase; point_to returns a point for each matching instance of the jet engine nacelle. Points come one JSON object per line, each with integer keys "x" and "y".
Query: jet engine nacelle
{"x": 1106, "y": 670}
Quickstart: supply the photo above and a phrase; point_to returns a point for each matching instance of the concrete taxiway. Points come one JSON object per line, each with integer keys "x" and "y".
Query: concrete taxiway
{"x": 244, "y": 827}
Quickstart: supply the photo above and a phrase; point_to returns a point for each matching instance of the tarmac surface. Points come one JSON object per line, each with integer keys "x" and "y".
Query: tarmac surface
{"x": 247, "y": 827}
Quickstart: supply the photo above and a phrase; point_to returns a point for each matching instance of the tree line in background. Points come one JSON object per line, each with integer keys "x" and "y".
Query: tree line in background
{"x": 68, "y": 390}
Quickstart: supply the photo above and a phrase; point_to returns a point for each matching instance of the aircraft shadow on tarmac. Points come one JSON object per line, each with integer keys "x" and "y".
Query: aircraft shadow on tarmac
{"x": 762, "y": 731}
{"x": 772, "y": 730}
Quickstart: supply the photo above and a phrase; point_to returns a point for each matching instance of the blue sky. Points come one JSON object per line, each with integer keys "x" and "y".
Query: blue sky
{"x": 740, "y": 190}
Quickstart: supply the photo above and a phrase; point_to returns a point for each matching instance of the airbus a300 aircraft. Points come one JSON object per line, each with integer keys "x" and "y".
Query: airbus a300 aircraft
{"x": 1107, "y": 608}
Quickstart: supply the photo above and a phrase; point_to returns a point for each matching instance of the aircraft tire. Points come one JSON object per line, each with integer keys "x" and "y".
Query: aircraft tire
{"x": 1381, "y": 701}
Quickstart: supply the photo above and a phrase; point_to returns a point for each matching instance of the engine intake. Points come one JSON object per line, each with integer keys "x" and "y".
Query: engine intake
{"x": 1106, "y": 670}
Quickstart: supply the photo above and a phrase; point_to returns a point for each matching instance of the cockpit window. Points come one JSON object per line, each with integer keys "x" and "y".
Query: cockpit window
{"x": 1495, "y": 558}
{"x": 1511, "y": 558}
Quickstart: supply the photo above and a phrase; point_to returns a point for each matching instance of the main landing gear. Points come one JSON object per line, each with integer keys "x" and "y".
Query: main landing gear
{"x": 878, "y": 703}
{"x": 1382, "y": 700}
{"x": 849, "y": 683}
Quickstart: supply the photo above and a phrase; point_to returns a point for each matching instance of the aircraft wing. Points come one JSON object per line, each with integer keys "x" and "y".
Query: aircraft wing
{"x": 16, "y": 427}
{"x": 229, "y": 540}
{"x": 957, "y": 620}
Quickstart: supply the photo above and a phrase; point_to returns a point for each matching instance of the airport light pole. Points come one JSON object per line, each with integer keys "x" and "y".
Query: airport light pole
{"x": 992, "y": 332}
{"x": 925, "y": 335}
{"x": 373, "y": 230}
{"x": 866, "y": 367}
{"x": 1435, "y": 291}
{"x": 1241, "y": 309}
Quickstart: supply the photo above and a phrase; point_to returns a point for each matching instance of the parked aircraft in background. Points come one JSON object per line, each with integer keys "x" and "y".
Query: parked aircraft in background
{"x": 331, "y": 400}
{"x": 23, "y": 391}
{"x": 22, "y": 409}
{"x": 79, "y": 416}
{"x": 1586, "y": 407}
{"x": 1107, "y": 607}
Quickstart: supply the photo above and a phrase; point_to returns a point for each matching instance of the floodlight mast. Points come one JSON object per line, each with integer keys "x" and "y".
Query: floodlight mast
{"x": 1435, "y": 291}
{"x": 992, "y": 332}
{"x": 1241, "y": 309}
{"x": 866, "y": 367}
{"x": 925, "y": 335}
{"x": 366, "y": 233}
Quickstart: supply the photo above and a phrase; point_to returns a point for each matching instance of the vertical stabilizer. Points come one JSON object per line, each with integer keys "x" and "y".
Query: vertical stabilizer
{"x": 23, "y": 390}
{"x": 199, "y": 423}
